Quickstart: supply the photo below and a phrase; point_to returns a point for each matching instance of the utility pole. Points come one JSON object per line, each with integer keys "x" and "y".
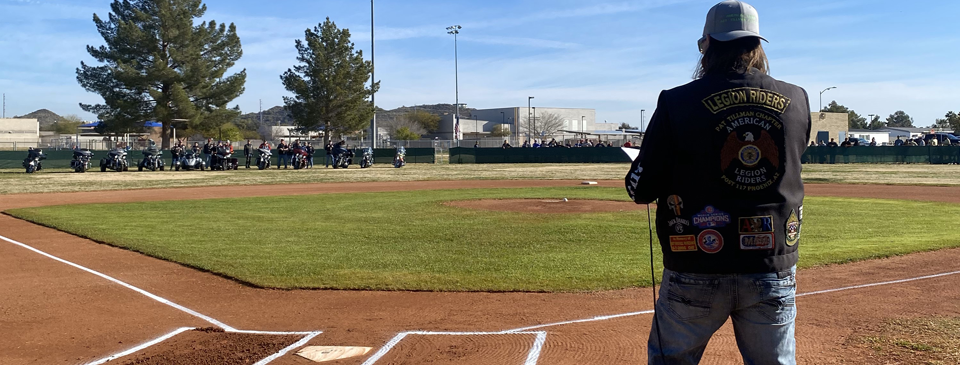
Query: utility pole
{"x": 373, "y": 80}
{"x": 455, "y": 29}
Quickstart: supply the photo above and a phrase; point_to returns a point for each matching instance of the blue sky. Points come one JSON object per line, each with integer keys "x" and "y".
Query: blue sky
{"x": 613, "y": 56}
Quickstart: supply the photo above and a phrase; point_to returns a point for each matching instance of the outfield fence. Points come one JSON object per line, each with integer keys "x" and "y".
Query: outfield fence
{"x": 461, "y": 155}
{"x": 885, "y": 154}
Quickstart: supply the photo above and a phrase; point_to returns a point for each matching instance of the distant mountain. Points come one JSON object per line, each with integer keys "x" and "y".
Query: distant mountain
{"x": 273, "y": 116}
{"x": 44, "y": 116}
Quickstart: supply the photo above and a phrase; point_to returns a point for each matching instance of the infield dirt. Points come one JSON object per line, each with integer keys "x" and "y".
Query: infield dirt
{"x": 57, "y": 314}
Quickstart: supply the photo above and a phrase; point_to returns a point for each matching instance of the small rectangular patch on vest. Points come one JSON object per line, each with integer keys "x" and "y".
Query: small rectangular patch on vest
{"x": 683, "y": 243}
{"x": 756, "y": 241}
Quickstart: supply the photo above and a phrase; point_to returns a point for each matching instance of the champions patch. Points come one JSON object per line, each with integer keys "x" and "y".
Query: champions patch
{"x": 793, "y": 229}
{"x": 683, "y": 243}
{"x": 756, "y": 241}
{"x": 746, "y": 96}
{"x": 710, "y": 241}
{"x": 711, "y": 217}
{"x": 751, "y": 158}
{"x": 763, "y": 224}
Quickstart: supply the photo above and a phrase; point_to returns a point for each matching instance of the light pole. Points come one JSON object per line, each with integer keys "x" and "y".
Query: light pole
{"x": 455, "y": 29}
{"x": 476, "y": 126}
{"x": 641, "y": 119}
{"x": 821, "y": 97}
{"x": 581, "y": 123}
{"x": 373, "y": 81}
{"x": 534, "y": 122}
{"x": 528, "y": 116}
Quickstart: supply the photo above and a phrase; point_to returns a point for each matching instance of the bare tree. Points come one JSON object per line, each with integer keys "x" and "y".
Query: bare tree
{"x": 392, "y": 125}
{"x": 543, "y": 125}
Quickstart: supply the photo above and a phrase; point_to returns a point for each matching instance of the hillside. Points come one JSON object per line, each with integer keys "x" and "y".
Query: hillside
{"x": 277, "y": 114}
{"x": 44, "y": 116}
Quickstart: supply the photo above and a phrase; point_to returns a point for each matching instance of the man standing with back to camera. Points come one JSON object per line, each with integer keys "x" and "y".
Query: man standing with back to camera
{"x": 730, "y": 202}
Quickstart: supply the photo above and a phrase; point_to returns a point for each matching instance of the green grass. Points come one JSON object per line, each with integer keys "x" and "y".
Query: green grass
{"x": 410, "y": 241}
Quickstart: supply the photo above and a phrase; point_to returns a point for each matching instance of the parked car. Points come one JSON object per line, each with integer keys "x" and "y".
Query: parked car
{"x": 943, "y": 139}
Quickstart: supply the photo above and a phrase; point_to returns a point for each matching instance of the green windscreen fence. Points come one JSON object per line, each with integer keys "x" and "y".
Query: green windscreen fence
{"x": 61, "y": 159}
{"x": 460, "y": 155}
{"x": 885, "y": 154}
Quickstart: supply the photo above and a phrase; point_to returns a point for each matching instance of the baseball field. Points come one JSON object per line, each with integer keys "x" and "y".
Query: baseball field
{"x": 440, "y": 264}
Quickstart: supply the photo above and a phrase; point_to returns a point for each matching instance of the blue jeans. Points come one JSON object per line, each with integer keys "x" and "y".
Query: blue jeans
{"x": 206, "y": 159}
{"x": 692, "y": 307}
{"x": 283, "y": 159}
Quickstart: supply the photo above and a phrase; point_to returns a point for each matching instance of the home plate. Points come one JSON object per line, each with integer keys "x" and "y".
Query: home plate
{"x": 588, "y": 183}
{"x": 330, "y": 353}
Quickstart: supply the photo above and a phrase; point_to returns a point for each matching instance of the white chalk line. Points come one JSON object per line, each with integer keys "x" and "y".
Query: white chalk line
{"x": 532, "y": 356}
{"x": 303, "y": 341}
{"x": 128, "y": 286}
{"x": 613, "y": 316}
{"x": 226, "y": 328}
{"x": 880, "y": 283}
{"x": 141, "y": 346}
{"x": 399, "y": 337}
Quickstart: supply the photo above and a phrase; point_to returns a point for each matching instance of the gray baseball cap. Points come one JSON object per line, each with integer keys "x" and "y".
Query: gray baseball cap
{"x": 732, "y": 19}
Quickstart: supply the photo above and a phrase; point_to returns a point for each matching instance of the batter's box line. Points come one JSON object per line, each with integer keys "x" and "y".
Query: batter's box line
{"x": 307, "y": 335}
{"x": 631, "y": 314}
{"x": 532, "y": 356}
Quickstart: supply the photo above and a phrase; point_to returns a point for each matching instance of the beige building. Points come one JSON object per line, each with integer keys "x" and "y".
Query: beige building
{"x": 19, "y": 133}
{"x": 828, "y": 125}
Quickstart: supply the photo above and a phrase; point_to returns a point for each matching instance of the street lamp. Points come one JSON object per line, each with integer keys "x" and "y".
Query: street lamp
{"x": 581, "y": 123}
{"x": 641, "y": 119}
{"x": 534, "y": 121}
{"x": 821, "y": 97}
{"x": 373, "y": 81}
{"x": 528, "y": 116}
{"x": 455, "y": 29}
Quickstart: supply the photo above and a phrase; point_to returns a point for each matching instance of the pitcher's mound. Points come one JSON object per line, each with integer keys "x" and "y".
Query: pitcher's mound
{"x": 547, "y": 205}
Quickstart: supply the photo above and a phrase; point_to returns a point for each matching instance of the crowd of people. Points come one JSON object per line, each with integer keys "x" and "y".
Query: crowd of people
{"x": 921, "y": 140}
{"x": 537, "y": 143}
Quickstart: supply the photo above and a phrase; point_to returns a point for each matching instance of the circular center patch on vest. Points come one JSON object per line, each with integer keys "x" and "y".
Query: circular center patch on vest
{"x": 749, "y": 155}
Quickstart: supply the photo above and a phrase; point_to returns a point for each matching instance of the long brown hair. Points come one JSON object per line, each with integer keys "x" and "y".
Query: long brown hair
{"x": 738, "y": 55}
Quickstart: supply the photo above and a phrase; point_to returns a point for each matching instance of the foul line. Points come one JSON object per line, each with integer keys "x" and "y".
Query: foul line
{"x": 307, "y": 335}
{"x": 603, "y": 318}
{"x": 128, "y": 286}
{"x": 532, "y": 356}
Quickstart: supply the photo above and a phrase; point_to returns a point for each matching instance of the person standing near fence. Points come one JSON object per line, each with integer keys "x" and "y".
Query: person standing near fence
{"x": 208, "y": 149}
{"x": 730, "y": 201}
{"x": 248, "y": 152}
{"x": 329, "y": 149}
{"x": 283, "y": 157}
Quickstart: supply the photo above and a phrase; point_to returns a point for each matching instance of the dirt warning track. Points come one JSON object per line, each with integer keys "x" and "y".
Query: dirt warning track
{"x": 55, "y": 313}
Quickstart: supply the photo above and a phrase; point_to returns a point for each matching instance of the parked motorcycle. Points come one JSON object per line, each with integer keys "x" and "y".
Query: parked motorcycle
{"x": 222, "y": 160}
{"x": 399, "y": 160}
{"x": 32, "y": 162}
{"x": 299, "y": 158}
{"x": 367, "y": 159}
{"x": 81, "y": 160}
{"x": 116, "y": 160}
{"x": 263, "y": 160}
{"x": 191, "y": 160}
{"x": 344, "y": 159}
{"x": 152, "y": 159}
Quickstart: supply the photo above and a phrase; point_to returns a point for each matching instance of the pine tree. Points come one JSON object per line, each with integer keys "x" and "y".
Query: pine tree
{"x": 159, "y": 65}
{"x": 329, "y": 84}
